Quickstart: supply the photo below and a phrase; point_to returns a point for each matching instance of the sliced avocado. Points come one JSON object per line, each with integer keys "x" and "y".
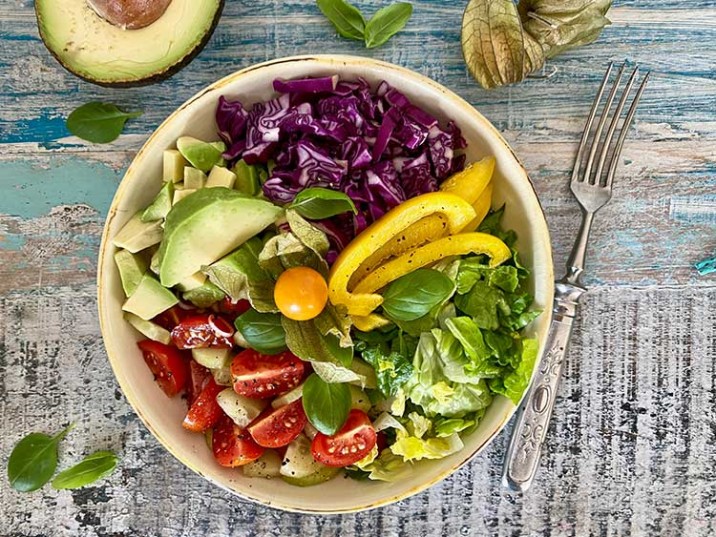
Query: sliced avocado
{"x": 149, "y": 299}
{"x": 221, "y": 177}
{"x": 247, "y": 178}
{"x": 300, "y": 468}
{"x": 181, "y": 194}
{"x": 131, "y": 269}
{"x": 127, "y": 42}
{"x": 240, "y": 409}
{"x": 173, "y": 167}
{"x": 204, "y": 296}
{"x": 137, "y": 235}
{"x": 359, "y": 399}
{"x": 266, "y": 466}
{"x": 202, "y": 155}
{"x": 161, "y": 205}
{"x": 194, "y": 281}
{"x": 206, "y": 226}
{"x": 149, "y": 329}
{"x": 194, "y": 179}
{"x": 154, "y": 263}
{"x": 211, "y": 357}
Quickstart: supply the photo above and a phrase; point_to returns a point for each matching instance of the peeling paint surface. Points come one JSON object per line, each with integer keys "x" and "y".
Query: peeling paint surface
{"x": 632, "y": 446}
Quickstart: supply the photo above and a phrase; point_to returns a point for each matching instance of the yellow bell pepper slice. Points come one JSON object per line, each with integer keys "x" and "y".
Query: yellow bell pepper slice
{"x": 456, "y": 211}
{"x": 461, "y": 244}
{"x": 369, "y": 322}
{"x": 482, "y": 207}
{"x": 425, "y": 230}
{"x": 472, "y": 181}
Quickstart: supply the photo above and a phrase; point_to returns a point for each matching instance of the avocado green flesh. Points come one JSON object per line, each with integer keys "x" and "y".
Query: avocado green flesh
{"x": 202, "y": 155}
{"x": 149, "y": 299}
{"x": 131, "y": 269}
{"x": 100, "y": 52}
{"x": 161, "y": 205}
{"x": 207, "y": 225}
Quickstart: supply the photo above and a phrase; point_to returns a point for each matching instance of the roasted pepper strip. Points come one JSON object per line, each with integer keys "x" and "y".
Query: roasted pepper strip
{"x": 456, "y": 211}
{"x": 470, "y": 183}
{"x": 461, "y": 244}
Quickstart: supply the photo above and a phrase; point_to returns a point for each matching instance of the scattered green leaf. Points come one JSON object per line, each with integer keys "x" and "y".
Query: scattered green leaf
{"x": 316, "y": 203}
{"x": 93, "y": 468}
{"x": 349, "y": 22}
{"x": 386, "y": 23}
{"x": 412, "y": 296}
{"x": 33, "y": 460}
{"x": 262, "y": 331}
{"x": 326, "y": 405}
{"x": 98, "y": 122}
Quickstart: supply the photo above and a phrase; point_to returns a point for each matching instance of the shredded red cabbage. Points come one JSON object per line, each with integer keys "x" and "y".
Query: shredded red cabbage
{"x": 376, "y": 146}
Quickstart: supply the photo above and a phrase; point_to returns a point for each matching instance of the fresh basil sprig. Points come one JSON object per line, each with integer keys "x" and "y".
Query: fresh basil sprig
{"x": 262, "y": 331}
{"x": 92, "y": 468}
{"x": 316, "y": 203}
{"x": 411, "y": 296}
{"x": 326, "y": 405}
{"x": 99, "y": 122}
{"x": 351, "y": 23}
{"x": 33, "y": 460}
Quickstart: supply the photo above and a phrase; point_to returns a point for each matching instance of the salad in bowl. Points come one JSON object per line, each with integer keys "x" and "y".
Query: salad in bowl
{"x": 326, "y": 285}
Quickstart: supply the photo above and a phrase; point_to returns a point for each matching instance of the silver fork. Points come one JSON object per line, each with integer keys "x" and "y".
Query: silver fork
{"x": 593, "y": 189}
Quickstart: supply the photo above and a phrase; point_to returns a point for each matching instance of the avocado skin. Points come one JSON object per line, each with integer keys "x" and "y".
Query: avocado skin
{"x": 158, "y": 77}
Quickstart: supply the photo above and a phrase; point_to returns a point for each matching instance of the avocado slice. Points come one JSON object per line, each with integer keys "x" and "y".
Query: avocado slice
{"x": 207, "y": 225}
{"x": 149, "y": 299}
{"x": 202, "y": 155}
{"x": 131, "y": 269}
{"x": 149, "y": 329}
{"x": 137, "y": 235}
{"x": 161, "y": 205}
{"x": 122, "y": 42}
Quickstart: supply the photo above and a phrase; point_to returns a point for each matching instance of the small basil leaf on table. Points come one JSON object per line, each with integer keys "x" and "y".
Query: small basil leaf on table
{"x": 92, "y": 468}
{"x": 326, "y": 405}
{"x": 262, "y": 331}
{"x": 349, "y": 22}
{"x": 387, "y": 22}
{"x": 98, "y": 122}
{"x": 317, "y": 203}
{"x": 33, "y": 460}
{"x": 415, "y": 294}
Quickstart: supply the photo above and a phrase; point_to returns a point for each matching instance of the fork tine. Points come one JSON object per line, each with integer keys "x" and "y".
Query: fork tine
{"x": 625, "y": 128}
{"x": 613, "y": 127}
{"x": 600, "y": 126}
{"x": 588, "y": 126}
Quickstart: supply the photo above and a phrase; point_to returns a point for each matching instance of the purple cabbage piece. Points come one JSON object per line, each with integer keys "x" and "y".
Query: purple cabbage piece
{"x": 376, "y": 146}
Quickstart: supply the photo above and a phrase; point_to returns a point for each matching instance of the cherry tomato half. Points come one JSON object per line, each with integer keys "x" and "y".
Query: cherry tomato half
{"x": 231, "y": 309}
{"x": 202, "y": 330}
{"x": 204, "y": 412}
{"x": 279, "y": 427}
{"x": 198, "y": 379}
{"x": 349, "y": 445}
{"x": 232, "y": 445}
{"x": 301, "y": 293}
{"x": 170, "y": 370}
{"x": 261, "y": 376}
{"x": 168, "y": 319}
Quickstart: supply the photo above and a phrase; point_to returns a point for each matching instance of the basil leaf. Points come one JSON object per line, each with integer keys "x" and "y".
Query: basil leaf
{"x": 98, "y": 122}
{"x": 387, "y": 22}
{"x": 33, "y": 460}
{"x": 317, "y": 203}
{"x": 326, "y": 405}
{"x": 349, "y": 22}
{"x": 90, "y": 469}
{"x": 411, "y": 296}
{"x": 262, "y": 331}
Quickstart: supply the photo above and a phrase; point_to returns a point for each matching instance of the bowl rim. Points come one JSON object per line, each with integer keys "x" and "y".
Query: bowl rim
{"x": 325, "y": 60}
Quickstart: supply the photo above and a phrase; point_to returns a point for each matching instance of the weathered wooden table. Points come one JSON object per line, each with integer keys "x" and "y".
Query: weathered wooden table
{"x": 632, "y": 449}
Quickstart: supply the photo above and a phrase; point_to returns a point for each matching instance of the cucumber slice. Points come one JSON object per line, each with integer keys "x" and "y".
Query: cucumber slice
{"x": 148, "y": 328}
{"x": 288, "y": 397}
{"x": 321, "y": 476}
{"x": 223, "y": 376}
{"x": 298, "y": 463}
{"x": 240, "y": 409}
{"x": 212, "y": 358}
{"x": 359, "y": 399}
{"x": 310, "y": 431}
{"x": 268, "y": 465}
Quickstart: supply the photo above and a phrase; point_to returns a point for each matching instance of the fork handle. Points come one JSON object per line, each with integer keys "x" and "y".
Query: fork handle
{"x": 533, "y": 417}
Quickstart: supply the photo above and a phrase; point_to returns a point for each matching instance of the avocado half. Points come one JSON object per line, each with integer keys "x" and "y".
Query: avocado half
{"x": 123, "y": 42}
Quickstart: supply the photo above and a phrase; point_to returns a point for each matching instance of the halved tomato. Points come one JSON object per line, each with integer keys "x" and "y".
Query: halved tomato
{"x": 198, "y": 379}
{"x": 262, "y": 376}
{"x": 170, "y": 370}
{"x": 279, "y": 427}
{"x": 233, "y": 309}
{"x": 168, "y": 319}
{"x": 349, "y": 445}
{"x": 203, "y": 330}
{"x": 232, "y": 445}
{"x": 204, "y": 412}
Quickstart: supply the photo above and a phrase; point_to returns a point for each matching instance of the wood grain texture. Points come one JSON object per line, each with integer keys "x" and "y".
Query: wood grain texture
{"x": 631, "y": 450}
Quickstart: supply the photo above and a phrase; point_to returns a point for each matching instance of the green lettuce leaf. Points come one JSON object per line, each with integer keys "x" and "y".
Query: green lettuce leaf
{"x": 413, "y": 448}
{"x": 449, "y": 426}
{"x": 515, "y": 383}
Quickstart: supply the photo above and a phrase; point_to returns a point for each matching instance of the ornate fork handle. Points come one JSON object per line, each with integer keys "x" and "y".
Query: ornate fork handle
{"x": 533, "y": 417}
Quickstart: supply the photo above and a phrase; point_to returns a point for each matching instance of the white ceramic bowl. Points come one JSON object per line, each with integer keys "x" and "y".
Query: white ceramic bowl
{"x": 163, "y": 416}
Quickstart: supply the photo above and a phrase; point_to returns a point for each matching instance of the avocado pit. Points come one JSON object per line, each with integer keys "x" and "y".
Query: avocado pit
{"x": 130, "y": 14}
